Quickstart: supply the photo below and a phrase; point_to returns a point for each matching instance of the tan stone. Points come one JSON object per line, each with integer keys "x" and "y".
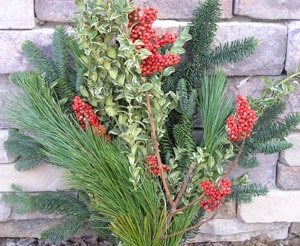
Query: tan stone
{"x": 276, "y": 206}
{"x": 42, "y": 178}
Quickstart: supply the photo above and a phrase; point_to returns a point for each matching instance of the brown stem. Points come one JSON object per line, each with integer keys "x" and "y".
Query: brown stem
{"x": 234, "y": 163}
{"x": 187, "y": 177}
{"x": 192, "y": 227}
{"x": 155, "y": 143}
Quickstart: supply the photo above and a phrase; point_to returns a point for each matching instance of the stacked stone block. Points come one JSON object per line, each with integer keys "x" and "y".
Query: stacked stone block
{"x": 276, "y": 25}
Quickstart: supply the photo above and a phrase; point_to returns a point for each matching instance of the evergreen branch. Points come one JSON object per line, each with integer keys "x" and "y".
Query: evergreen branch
{"x": 272, "y": 147}
{"x": 245, "y": 193}
{"x": 39, "y": 61}
{"x": 214, "y": 110}
{"x": 204, "y": 27}
{"x": 231, "y": 52}
{"x": 60, "y": 52}
{"x": 64, "y": 230}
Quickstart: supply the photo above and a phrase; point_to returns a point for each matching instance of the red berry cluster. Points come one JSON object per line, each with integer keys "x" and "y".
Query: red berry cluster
{"x": 240, "y": 126}
{"x": 141, "y": 28}
{"x": 153, "y": 165}
{"x": 215, "y": 196}
{"x": 85, "y": 114}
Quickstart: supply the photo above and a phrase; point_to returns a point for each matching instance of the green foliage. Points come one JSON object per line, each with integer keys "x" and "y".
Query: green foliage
{"x": 231, "y": 52}
{"x": 245, "y": 193}
{"x": 59, "y": 72}
{"x": 111, "y": 191}
{"x": 215, "y": 108}
{"x": 28, "y": 151}
{"x": 268, "y": 134}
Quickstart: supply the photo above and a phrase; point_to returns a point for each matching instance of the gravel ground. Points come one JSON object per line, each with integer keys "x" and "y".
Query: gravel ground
{"x": 292, "y": 240}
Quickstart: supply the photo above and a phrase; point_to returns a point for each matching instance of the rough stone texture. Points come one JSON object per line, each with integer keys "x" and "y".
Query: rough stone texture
{"x": 268, "y": 9}
{"x": 295, "y": 228}
{"x": 227, "y": 211}
{"x": 17, "y": 14}
{"x": 5, "y": 211}
{"x": 11, "y": 57}
{"x": 42, "y": 178}
{"x": 288, "y": 178}
{"x": 265, "y": 60}
{"x": 55, "y": 10}
{"x": 276, "y": 206}
{"x": 162, "y": 26}
{"x": 264, "y": 174}
{"x": 291, "y": 156}
{"x": 182, "y": 10}
{"x": 26, "y": 228}
{"x": 6, "y": 90}
{"x": 63, "y": 10}
{"x": 236, "y": 230}
{"x": 293, "y": 47}
{"x": 4, "y": 156}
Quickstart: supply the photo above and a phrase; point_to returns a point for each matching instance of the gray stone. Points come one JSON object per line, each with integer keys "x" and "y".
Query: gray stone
{"x": 288, "y": 178}
{"x": 182, "y": 10}
{"x": 26, "y": 228}
{"x": 267, "y": 9}
{"x": 11, "y": 57}
{"x": 42, "y": 178}
{"x": 293, "y": 47}
{"x": 246, "y": 86}
{"x": 6, "y": 91}
{"x": 291, "y": 156}
{"x": 55, "y": 10}
{"x": 266, "y": 60}
{"x": 4, "y": 156}
{"x": 227, "y": 211}
{"x": 295, "y": 228}
{"x": 236, "y": 230}
{"x": 264, "y": 174}
{"x": 5, "y": 210}
{"x": 17, "y": 14}
{"x": 276, "y": 206}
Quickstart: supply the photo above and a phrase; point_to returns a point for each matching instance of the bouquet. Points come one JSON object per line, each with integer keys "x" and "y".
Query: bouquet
{"x": 117, "y": 107}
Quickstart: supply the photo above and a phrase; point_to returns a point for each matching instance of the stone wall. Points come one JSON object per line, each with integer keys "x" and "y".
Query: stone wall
{"x": 275, "y": 23}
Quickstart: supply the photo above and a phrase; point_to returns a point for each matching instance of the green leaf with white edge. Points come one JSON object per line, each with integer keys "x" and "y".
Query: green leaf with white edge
{"x": 180, "y": 41}
{"x": 113, "y": 72}
{"x": 144, "y": 53}
{"x": 83, "y": 91}
{"x": 112, "y": 53}
{"x": 147, "y": 87}
{"x": 114, "y": 16}
{"x": 168, "y": 71}
{"x": 211, "y": 161}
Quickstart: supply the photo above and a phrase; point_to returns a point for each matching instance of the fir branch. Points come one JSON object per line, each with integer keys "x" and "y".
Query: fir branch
{"x": 204, "y": 27}
{"x": 60, "y": 52}
{"x": 245, "y": 193}
{"x": 231, "y": 52}
{"x": 39, "y": 61}
{"x": 272, "y": 146}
